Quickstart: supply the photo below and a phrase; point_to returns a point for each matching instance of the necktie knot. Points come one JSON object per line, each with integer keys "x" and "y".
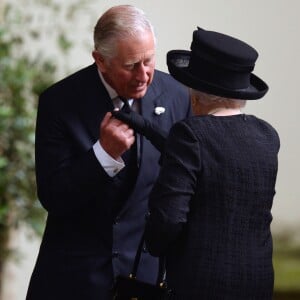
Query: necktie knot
{"x": 126, "y": 106}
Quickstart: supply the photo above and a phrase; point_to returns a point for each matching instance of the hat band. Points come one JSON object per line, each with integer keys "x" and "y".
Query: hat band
{"x": 218, "y": 76}
{"x": 216, "y": 58}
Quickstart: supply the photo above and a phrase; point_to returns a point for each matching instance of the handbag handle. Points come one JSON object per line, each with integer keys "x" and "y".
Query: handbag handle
{"x": 161, "y": 265}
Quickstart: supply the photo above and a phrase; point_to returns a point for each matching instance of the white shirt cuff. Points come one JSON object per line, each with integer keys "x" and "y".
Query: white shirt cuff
{"x": 111, "y": 166}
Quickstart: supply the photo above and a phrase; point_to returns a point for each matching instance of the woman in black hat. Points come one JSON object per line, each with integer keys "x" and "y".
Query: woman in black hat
{"x": 210, "y": 209}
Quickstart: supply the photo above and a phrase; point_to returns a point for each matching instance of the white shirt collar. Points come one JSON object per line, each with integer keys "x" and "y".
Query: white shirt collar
{"x": 112, "y": 93}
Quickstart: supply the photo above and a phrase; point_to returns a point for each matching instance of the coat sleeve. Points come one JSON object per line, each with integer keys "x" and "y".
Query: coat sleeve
{"x": 67, "y": 171}
{"x": 169, "y": 202}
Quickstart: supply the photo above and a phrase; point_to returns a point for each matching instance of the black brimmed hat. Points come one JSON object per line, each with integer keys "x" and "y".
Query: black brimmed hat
{"x": 218, "y": 64}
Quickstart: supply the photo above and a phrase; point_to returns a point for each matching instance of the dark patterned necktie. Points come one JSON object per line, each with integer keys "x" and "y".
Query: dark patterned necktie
{"x": 137, "y": 144}
{"x": 126, "y": 106}
{"x": 126, "y": 178}
{"x": 130, "y": 156}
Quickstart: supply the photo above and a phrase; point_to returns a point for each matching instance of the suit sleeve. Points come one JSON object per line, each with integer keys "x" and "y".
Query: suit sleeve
{"x": 169, "y": 202}
{"x": 67, "y": 171}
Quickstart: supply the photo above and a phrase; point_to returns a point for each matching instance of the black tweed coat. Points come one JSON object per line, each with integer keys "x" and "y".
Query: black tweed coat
{"x": 210, "y": 209}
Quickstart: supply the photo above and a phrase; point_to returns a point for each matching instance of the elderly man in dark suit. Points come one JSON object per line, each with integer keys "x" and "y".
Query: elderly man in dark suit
{"x": 94, "y": 173}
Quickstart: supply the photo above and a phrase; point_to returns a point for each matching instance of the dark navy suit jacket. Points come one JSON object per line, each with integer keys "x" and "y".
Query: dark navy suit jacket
{"x": 85, "y": 246}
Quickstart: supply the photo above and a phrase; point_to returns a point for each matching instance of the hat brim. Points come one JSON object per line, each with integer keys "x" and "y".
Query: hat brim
{"x": 178, "y": 61}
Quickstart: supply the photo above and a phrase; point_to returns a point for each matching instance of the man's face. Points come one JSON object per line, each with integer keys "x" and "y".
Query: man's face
{"x": 131, "y": 70}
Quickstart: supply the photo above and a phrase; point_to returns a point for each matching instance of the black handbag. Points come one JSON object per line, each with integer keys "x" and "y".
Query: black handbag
{"x": 130, "y": 288}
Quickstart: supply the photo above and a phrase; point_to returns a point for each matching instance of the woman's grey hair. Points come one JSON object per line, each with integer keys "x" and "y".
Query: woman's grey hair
{"x": 119, "y": 22}
{"x": 207, "y": 99}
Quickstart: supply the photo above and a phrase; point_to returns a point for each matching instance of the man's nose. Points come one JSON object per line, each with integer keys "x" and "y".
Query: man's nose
{"x": 141, "y": 73}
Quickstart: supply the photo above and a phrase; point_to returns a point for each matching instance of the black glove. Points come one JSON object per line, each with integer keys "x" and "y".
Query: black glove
{"x": 153, "y": 133}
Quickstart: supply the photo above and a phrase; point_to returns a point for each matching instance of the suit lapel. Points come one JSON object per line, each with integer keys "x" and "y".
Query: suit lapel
{"x": 150, "y": 101}
{"x": 95, "y": 101}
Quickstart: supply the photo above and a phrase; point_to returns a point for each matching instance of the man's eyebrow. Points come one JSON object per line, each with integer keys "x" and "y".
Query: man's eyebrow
{"x": 138, "y": 60}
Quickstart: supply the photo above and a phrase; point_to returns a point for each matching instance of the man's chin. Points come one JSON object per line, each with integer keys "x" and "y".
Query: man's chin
{"x": 139, "y": 94}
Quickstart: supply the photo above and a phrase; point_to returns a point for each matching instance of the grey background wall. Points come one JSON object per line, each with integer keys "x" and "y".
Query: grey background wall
{"x": 271, "y": 26}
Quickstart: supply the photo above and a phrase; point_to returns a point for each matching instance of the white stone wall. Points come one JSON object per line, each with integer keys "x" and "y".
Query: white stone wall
{"x": 18, "y": 270}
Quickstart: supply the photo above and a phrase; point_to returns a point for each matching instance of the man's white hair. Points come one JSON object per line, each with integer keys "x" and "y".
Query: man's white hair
{"x": 119, "y": 22}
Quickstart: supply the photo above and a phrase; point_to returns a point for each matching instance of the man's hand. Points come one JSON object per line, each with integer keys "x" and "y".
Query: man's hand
{"x": 115, "y": 136}
{"x": 156, "y": 135}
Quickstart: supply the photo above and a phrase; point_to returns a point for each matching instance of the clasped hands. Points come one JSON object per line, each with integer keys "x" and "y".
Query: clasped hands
{"x": 140, "y": 125}
{"x": 117, "y": 132}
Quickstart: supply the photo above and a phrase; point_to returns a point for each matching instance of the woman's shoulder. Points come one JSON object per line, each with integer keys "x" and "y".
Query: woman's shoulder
{"x": 263, "y": 125}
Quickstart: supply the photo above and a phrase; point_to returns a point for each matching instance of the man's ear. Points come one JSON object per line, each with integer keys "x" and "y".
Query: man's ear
{"x": 99, "y": 60}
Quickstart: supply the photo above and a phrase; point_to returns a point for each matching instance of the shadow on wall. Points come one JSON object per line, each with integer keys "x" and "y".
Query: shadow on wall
{"x": 286, "y": 295}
